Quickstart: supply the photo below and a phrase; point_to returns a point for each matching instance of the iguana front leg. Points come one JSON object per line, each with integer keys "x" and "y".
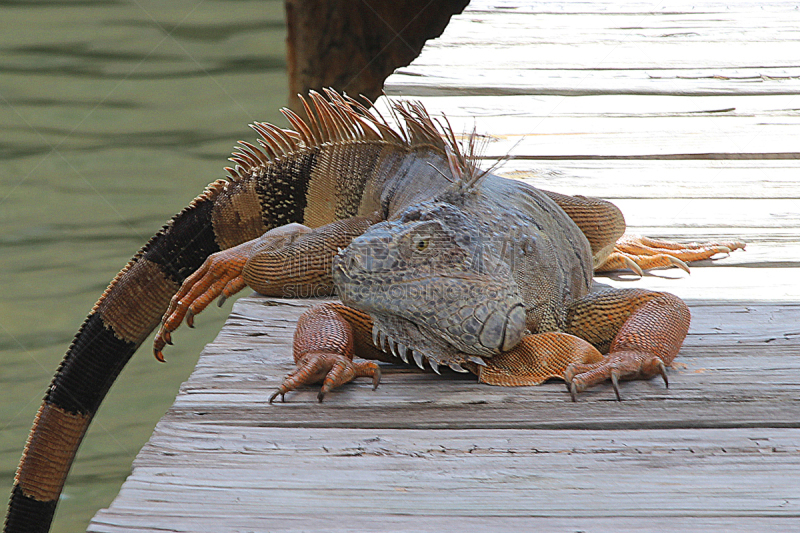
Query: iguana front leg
{"x": 641, "y": 331}
{"x": 323, "y": 347}
{"x": 289, "y": 261}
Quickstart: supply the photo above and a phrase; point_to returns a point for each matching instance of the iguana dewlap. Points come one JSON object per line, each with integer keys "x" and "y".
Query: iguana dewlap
{"x": 517, "y": 262}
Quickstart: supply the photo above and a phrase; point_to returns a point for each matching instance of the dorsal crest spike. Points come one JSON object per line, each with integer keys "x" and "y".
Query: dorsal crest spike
{"x": 247, "y": 156}
{"x": 277, "y": 147}
{"x": 375, "y": 117}
{"x": 266, "y": 142}
{"x": 347, "y": 126}
{"x": 276, "y": 134}
{"x": 334, "y": 117}
{"x": 252, "y": 150}
{"x": 241, "y": 162}
{"x": 293, "y": 138}
{"x": 335, "y": 122}
{"x": 334, "y": 96}
{"x": 297, "y": 123}
{"x": 268, "y": 149}
{"x": 234, "y": 176}
{"x": 313, "y": 126}
{"x": 324, "y": 114}
{"x": 325, "y": 133}
{"x": 357, "y": 106}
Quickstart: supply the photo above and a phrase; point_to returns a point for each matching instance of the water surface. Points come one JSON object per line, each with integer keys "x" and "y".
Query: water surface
{"x": 113, "y": 115}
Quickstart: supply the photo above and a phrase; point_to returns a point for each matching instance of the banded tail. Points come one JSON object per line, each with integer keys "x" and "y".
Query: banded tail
{"x": 119, "y": 322}
{"x": 333, "y": 166}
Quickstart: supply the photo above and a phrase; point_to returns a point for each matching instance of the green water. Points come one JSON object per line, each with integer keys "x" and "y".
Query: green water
{"x": 113, "y": 116}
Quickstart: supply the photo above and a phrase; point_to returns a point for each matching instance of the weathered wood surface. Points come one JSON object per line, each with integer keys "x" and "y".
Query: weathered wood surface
{"x": 627, "y": 127}
{"x": 682, "y": 114}
{"x": 430, "y": 453}
{"x": 587, "y": 48}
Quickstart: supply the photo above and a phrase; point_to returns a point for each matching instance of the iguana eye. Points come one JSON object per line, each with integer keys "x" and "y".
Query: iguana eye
{"x": 421, "y": 242}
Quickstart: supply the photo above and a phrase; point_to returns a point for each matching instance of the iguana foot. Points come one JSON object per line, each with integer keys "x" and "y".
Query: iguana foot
{"x": 617, "y": 366}
{"x": 332, "y": 369}
{"x": 648, "y": 330}
{"x": 220, "y": 275}
{"x": 642, "y": 253}
{"x": 323, "y": 351}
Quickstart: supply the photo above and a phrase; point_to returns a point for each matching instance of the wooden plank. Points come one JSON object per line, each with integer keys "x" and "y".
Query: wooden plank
{"x": 485, "y": 478}
{"x": 637, "y": 179}
{"x": 749, "y": 7}
{"x": 709, "y": 388}
{"x": 608, "y": 51}
{"x": 344, "y": 522}
{"x": 473, "y": 108}
{"x": 608, "y": 37}
{"x": 422, "y": 80}
{"x": 700, "y": 213}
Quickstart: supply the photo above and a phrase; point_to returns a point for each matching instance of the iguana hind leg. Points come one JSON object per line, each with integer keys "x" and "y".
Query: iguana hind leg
{"x": 641, "y": 331}
{"x": 612, "y": 249}
{"x": 643, "y": 253}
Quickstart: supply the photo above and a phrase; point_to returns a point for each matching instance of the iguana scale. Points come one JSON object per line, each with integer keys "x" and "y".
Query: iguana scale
{"x": 344, "y": 199}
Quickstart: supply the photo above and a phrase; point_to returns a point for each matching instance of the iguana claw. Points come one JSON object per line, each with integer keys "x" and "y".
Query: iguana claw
{"x": 615, "y": 384}
{"x": 678, "y": 263}
{"x": 332, "y": 369}
{"x": 219, "y": 275}
{"x": 275, "y": 395}
{"x": 615, "y": 367}
{"x": 630, "y": 263}
{"x": 662, "y": 368}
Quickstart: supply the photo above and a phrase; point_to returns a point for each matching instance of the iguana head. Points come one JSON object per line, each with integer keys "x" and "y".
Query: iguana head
{"x": 434, "y": 282}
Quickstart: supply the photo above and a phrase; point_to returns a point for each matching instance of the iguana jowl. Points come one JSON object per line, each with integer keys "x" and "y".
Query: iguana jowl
{"x": 439, "y": 262}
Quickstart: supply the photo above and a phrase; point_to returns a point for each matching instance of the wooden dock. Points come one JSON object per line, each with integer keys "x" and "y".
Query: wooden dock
{"x": 686, "y": 117}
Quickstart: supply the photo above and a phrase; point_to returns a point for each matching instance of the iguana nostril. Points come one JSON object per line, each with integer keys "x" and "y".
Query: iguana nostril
{"x": 502, "y": 331}
{"x": 492, "y": 332}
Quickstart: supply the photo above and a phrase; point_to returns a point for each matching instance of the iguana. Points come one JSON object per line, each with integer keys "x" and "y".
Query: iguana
{"x": 435, "y": 261}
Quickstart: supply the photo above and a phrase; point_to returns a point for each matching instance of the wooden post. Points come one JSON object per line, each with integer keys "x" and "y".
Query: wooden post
{"x": 353, "y": 46}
